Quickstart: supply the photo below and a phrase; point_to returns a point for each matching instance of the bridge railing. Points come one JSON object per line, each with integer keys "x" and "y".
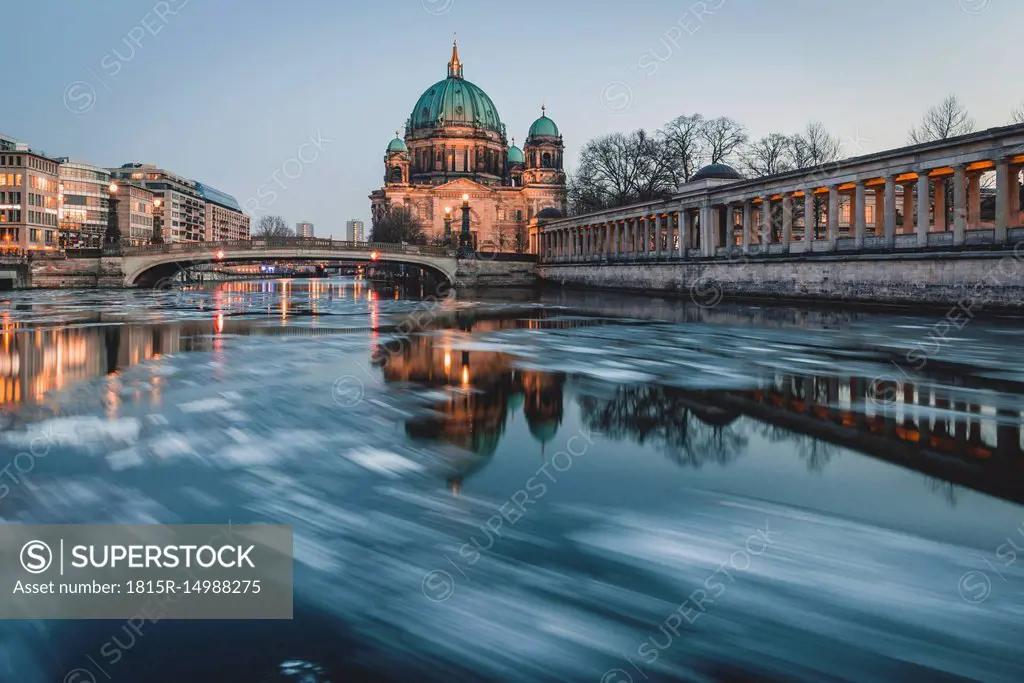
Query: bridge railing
{"x": 266, "y": 243}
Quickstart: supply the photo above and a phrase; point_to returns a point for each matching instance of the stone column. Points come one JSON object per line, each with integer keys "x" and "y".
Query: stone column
{"x": 658, "y": 223}
{"x": 923, "y": 183}
{"x": 833, "y": 216}
{"x": 859, "y": 209}
{"x": 908, "y": 209}
{"x": 959, "y": 204}
{"x": 878, "y": 227}
{"x": 766, "y": 224}
{"x": 1002, "y": 199}
{"x": 787, "y": 221}
{"x": 669, "y": 234}
{"x": 809, "y": 217}
{"x": 748, "y": 217}
{"x": 685, "y": 232}
{"x": 974, "y": 201}
{"x": 889, "y": 217}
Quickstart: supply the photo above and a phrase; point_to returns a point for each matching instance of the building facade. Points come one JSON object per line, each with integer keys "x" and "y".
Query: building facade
{"x": 134, "y": 207}
{"x": 455, "y": 149}
{"x": 355, "y": 231}
{"x": 179, "y": 212}
{"x": 84, "y": 208}
{"x": 29, "y": 200}
{"x": 223, "y": 216}
{"x": 304, "y": 229}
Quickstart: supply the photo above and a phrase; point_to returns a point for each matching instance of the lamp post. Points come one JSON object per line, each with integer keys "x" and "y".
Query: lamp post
{"x": 466, "y": 239}
{"x": 158, "y": 236}
{"x": 113, "y": 237}
{"x": 447, "y": 226}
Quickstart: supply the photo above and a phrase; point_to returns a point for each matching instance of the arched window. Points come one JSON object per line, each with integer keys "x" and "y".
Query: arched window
{"x": 396, "y": 175}
{"x": 545, "y": 160}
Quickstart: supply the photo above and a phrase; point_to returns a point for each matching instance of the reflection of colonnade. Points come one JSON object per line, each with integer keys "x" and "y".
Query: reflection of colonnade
{"x": 957, "y": 436}
{"x": 800, "y": 211}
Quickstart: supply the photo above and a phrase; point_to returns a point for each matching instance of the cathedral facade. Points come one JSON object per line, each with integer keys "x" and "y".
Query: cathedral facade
{"x": 455, "y": 150}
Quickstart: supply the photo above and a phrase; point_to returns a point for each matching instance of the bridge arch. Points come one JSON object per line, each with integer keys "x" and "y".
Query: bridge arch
{"x": 148, "y": 266}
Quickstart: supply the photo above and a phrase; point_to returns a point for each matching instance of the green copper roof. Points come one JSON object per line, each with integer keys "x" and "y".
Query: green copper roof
{"x": 455, "y": 102}
{"x": 544, "y": 126}
{"x": 397, "y": 145}
{"x": 515, "y": 155}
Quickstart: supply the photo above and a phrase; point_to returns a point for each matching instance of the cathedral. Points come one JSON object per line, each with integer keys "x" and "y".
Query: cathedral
{"x": 456, "y": 151}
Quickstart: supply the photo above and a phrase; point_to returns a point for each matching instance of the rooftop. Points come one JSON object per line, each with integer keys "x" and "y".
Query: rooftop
{"x": 217, "y": 197}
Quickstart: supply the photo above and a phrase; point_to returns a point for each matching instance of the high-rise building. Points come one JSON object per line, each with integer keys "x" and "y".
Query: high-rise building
{"x": 29, "y": 199}
{"x": 304, "y": 229}
{"x": 84, "y": 206}
{"x": 179, "y": 211}
{"x": 354, "y": 231}
{"x": 224, "y": 219}
{"x": 135, "y": 215}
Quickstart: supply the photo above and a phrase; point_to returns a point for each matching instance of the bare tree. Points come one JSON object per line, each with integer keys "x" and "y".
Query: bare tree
{"x": 814, "y": 146}
{"x": 684, "y": 142}
{"x": 272, "y": 226}
{"x": 619, "y": 169}
{"x": 945, "y": 120}
{"x": 1017, "y": 115}
{"x": 767, "y": 156}
{"x": 722, "y": 137}
{"x": 396, "y": 225}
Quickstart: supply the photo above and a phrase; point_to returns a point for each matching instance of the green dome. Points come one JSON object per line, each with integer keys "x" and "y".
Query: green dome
{"x": 455, "y": 102}
{"x": 397, "y": 145}
{"x": 544, "y": 126}
{"x": 516, "y": 156}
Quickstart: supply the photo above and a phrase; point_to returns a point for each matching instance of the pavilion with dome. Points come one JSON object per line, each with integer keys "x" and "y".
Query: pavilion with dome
{"x": 455, "y": 145}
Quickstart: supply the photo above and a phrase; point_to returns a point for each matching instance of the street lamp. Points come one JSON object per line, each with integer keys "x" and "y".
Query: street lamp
{"x": 447, "y": 226}
{"x": 466, "y": 238}
{"x": 158, "y": 235}
{"x": 113, "y": 237}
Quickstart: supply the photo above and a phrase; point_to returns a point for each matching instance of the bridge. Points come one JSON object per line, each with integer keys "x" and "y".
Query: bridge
{"x": 158, "y": 264}
{"x": 918, "y": 223}
{"x": 150, "y": 265}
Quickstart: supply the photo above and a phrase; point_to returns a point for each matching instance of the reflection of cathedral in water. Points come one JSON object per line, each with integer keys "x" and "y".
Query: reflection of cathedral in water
{"x": 483, "y": 391}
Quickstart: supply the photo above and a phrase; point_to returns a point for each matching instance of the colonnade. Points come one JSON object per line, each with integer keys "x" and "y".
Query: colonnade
{"x": 913, "y": 203}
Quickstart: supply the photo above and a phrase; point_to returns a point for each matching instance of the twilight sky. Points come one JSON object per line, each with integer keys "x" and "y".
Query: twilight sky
{"x": 232, "y": 93}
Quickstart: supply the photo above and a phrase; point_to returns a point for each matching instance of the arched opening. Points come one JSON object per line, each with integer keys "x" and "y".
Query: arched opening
{"x": 396, "y": 174}
{"x": 545, "y": 160}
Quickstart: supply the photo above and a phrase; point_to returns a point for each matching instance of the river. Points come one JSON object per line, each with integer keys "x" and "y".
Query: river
{"x": 524, "y": 486}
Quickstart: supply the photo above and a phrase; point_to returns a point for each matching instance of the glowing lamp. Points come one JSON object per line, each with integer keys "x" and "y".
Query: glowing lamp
{"x": 113, "y": 188}
{"x": 220, "y": 255}
{"x": 374, "y": 256}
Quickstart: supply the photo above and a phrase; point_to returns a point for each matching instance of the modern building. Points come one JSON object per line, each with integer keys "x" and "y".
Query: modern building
{"x": 179, "y": 211}
{"x": 224, "y": 218}
{"x": 84, "y": 207}
{"x": 9, "y": 144}
{"x": 134, "y": 206}
{"x": 304, "y": 229}
{"x": 355, "y": 231}
{"x": 29, "y": 199}
{"x": 455, "y": 145}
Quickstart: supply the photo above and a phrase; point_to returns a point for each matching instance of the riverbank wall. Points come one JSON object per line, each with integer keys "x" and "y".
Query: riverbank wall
{"x": 990, "y": 279}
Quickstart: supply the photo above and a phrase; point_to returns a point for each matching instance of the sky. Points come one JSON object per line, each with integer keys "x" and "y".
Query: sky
{"x": 289, "y": 106}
